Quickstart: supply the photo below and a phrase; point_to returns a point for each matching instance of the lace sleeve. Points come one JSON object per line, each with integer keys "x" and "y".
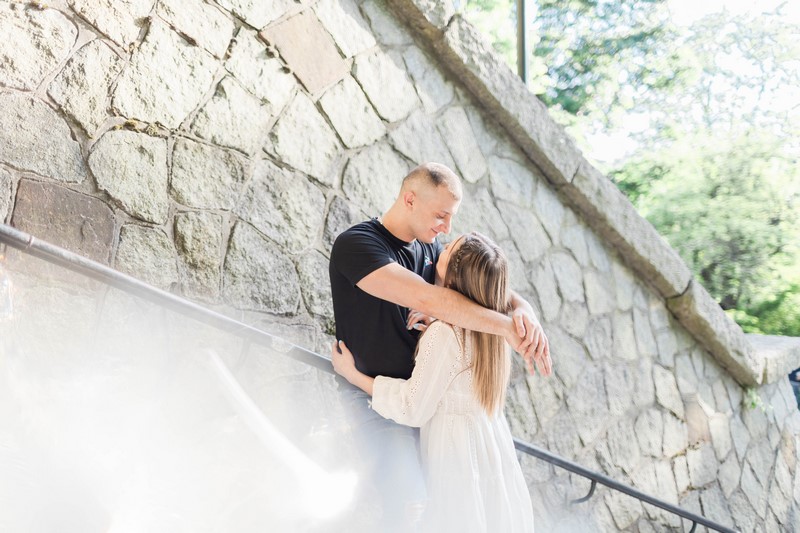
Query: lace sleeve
{"x": 413, "y": 402}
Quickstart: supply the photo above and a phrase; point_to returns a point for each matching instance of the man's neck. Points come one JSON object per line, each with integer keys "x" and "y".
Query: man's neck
{"x": 395, "y": 223}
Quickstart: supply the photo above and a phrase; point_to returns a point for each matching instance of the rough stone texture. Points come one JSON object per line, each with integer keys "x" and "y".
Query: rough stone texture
{"x": 511, "y": 181}
{"x": 588, "y": 405}
{"x": 667, "y": 390}
{"x": 649, "y": 431}
{"x": 304, "y": 140}
{"x": 257, "y": 275}
{"x": 719, "y": 426}
{"x": 315, "y": 282}
{"x": 599, "y": 341}
{"x": 82, "y": 87}
{"x": 645, "y": 342}
{"x": 34, "y": 138}
{"x": 569, "y": 276}
{"x": 729, "y": 474}
{"x": 63, "y": 217}
{"x": 199, "y": 21}
{"x": 256, "y": 12}
{"x": 204, "y": 176}
{"x": 308, "y": 50}
{"x": 372, "y": 178}
{"x": 198, "y": 237}
{"x": 624, "y": 337}
{"x": 544, "y": 280}
{"x": 550, "y": 210}
{"x": 384, "y": 25}
{"x": 351, "y": 114}
{"x": 233, "y": 118}
{"x": 624, "y": 509}
{"x": 262, "y": 74}
{"x": 526, "y": 231}
{"x": 119, "y": 19}
{"x": 384, "y": 80}
{"x": 283, "y": 205}
{"x": 344, "y": 22}
{"x": 165, "y": 80}
{"x": 433, "y": 89}
{"x": 676, "y": 438}
{"x": 132, "y": 168}
{"x": 418, "y": 139}
{"x": 706, "y": 320}
{"x": 598, "y": 296}
{"x": 702, "y": 465}
{"x": 341, "y": 215}
{"x": 681, "y": 470}
{"x": 479, "y": 213}
{"x": 147, "y": 254}
{"x": 714, "y": 506}
{"x": 5, "y": 194}
{"x": 781, "y": 354}
{"x": 34, "y": 42}
{"x": 457, "y": 133}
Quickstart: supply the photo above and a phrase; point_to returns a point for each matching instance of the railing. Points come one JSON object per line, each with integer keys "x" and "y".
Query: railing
{"x": 76, "y": 263}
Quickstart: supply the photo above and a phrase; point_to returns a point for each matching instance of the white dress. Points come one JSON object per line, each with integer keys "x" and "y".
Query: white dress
{"x": 474, "y": 480}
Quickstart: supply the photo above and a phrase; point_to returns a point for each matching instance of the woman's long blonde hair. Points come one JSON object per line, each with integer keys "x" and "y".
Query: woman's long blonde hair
{"x": 479, "y": 270}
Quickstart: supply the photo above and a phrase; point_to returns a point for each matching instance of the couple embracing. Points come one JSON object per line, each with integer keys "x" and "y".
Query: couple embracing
{"x": 421, "y": 352}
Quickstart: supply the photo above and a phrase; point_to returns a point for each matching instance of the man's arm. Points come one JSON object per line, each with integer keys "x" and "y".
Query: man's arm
{"x": 399, "y": 285}
{"x": 528, "y": 326}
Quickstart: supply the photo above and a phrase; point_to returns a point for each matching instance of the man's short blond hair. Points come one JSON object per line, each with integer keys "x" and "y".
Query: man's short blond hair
{"x": 433, "y": 175}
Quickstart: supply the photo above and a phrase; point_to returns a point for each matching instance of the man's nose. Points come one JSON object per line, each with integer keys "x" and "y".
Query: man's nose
{"x": 445, "y": 226}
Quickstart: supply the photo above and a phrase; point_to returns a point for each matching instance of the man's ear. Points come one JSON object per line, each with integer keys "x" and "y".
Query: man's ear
{"x": 409, "y": 199}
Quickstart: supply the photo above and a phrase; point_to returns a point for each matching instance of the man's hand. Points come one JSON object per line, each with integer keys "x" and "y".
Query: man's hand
{"x": 532, "y": 342}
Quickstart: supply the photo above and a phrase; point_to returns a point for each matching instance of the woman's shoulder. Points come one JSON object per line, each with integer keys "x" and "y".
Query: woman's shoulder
{"x": 444, "y": 331}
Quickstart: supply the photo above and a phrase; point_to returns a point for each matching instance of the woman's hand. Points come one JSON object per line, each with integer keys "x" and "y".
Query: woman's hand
{"x": 417, "y": 320}
{"x": 342, "y": 359}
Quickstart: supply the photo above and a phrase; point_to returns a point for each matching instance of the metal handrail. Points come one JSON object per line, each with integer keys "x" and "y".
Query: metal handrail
{"x": 76, "y": 263}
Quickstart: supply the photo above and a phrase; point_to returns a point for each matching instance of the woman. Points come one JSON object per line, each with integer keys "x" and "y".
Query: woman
{"x": 456, "y": 395}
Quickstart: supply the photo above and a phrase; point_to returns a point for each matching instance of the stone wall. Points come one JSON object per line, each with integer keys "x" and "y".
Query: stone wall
{"x": 216, "y": 149}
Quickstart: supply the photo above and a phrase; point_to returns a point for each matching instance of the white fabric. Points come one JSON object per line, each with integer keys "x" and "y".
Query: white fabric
{"x": 474, "y": 480}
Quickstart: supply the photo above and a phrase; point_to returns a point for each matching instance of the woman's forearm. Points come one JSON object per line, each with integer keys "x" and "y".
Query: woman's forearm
{"x": 362, "y": 381}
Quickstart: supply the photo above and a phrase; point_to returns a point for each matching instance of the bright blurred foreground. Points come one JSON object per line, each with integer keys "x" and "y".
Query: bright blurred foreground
{"x": 119, "y": 416}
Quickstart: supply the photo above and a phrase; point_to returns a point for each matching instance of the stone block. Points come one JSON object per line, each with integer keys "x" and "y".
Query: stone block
{"x": 742, "y": 512}
{"x": 308, "y": 50}
{"x": 69, "y": 219}
{"x": 649, "y": 431}
{"x": 667, "y": 393}
{"x": 623, "y": 285}
{"x": 729, "y": 474}
{"x": 199, "y": 21}
{"x": 720, "y": 335}
{"x": 198, "y": 236}
{"x": 284, "y": 206}
{"x": 82, "y": 86}
{"x": 619, "y": 388}
{"x": 570, "y": 277}
{"x": 204, "y": 176}
{"x": 341, "y": 215}
{"x": 511, "y": 181}
{"x": 550, "y": 210}
{"x": 598, "y": 296}
{"x": 741, "y": 436}
{"x": 257, "y": 275}
{"x": 478, "y": 212}
{"x": 258, "y": 13}
{"x": 714, "y": 505}
{"x": 588, "y": 406}
{"x": 527, "y": 232}
{"x": 645, "y": 341}
{"x": 598, "y": 339}
{"x": 34, "y": 42}
{"x": 165, "y": 80}
{"x": 385, "y": 81}
{"x": 384, "y": 24}
{"x": 303, "y": 139}
{"x": 312, "y": 268}
{"x": 575, "y": 320}
{"x": 624, "y": 509}
{"x": 36, "y": 139}
{"x": 781, "y": 355}
{"x": 457, "y": 133}
{"x": 132, "y": 168}
{"x": 571, "y": 356}
{"x": 544, "y": 280}
{"x": 755, "y": 492}
{"x": 351, "y": 114}
{"x": 702, "y": 464}
{"x": 676, "y": 437}
{"x": 372, "y": 178}
{"x": 6, "y": 181}
{"x": 121, "y": 20}
{"x": 624, "y": 337}
{"x": 259, "y": 71}
{"x": 667, "y": 348}
{"x": 147, "y": 254}
{"x": 233, "y": 118}
{"x": 344, "y": 22}
{"x": 433, "y": 89}
{"x": 681, "y": 470}
{"x": 599, "y": 254}
{"x": 418, "y": 139}
{"x": 719, "y": 426}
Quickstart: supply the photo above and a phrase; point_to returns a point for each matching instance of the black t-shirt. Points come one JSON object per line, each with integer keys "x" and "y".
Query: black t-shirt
{"x": 374, "y": 329}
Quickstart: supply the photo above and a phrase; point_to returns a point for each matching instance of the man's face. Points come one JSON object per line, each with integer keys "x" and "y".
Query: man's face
{"x": 433, "y": 214}
{"x": 444, "y": 258}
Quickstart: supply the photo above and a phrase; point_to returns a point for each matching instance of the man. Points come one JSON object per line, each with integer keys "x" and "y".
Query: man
{"x": 381, "y": 269}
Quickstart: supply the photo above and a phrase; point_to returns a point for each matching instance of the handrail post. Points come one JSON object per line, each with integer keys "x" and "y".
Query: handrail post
{"x": 522, "y": 40}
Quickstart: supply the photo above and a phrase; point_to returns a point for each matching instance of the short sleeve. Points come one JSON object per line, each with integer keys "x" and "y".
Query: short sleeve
{"x": 414, "y": 401}
{"x": 356, "y": 254}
